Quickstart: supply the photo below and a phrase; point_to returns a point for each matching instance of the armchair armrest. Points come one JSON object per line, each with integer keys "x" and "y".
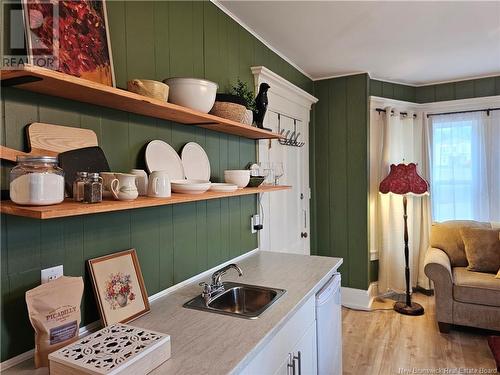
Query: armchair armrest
{"x": 436, "y": 260}
{"x": 438, "y": 269}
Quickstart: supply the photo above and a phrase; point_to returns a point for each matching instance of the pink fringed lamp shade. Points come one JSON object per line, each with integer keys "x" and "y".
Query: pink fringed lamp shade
{"x": 404, "y": 179}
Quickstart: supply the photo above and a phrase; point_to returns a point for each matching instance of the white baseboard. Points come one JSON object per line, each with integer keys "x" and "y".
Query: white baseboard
{"x": 359, "y": 299}
{"x": 94, "y": 326}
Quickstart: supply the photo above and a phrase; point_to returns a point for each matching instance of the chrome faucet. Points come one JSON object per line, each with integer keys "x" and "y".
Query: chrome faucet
{"x": 216, "y": 288}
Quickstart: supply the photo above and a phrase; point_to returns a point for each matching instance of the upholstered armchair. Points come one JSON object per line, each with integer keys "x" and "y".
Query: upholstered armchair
{"x": 463, "y": 297}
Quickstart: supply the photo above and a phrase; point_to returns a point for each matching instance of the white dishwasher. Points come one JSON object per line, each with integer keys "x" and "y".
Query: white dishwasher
{"x": 329, "y": 328}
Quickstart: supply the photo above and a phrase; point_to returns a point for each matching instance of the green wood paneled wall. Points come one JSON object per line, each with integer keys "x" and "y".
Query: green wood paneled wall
{"x": 339, "y": 139}
{"x": 473, "y": 88}
{"x": 149, "y": 40}
{"x": 392, "y": 90}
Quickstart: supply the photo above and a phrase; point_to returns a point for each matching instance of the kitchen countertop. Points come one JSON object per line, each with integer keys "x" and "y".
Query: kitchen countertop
{"x": 208, "y": 343}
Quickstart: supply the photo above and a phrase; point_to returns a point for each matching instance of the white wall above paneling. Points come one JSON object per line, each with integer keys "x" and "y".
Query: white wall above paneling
{"x": 411, "y": 42}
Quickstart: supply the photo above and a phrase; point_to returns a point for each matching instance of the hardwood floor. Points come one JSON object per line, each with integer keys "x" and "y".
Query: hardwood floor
{"x": 385, "y": 342}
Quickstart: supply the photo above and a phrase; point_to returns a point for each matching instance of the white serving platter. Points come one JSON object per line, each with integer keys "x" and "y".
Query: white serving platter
{"x": 160, "y": 156}
{"x": 195, "y": 162}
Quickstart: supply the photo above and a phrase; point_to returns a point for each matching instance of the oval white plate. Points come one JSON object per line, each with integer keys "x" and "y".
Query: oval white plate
{"x": 222, "y": 187}
{"x": 195, "y": 162}
{"x": 160, "y": 156}
{"x": 190, "y": 186}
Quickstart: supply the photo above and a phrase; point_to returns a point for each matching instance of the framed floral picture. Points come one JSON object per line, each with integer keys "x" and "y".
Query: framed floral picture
{"x": 119, "y": 287}
{"x": 71, "y": 37}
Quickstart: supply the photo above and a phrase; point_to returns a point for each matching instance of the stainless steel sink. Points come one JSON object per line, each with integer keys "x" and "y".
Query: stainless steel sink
{"x": 245, "y": 301}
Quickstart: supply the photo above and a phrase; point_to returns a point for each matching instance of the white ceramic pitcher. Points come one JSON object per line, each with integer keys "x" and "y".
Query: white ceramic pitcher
{"x": 123, "y": 187}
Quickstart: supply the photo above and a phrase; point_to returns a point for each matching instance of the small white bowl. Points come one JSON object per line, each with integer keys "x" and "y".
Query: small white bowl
{"x": 194, "y": 93}
{"x": 190, "y": 186}
{"x": 241, "y": 178}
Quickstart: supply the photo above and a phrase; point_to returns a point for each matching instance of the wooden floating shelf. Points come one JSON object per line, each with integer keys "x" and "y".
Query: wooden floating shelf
{"x": 49, "y": 82}
{"x": 72, "y": 208}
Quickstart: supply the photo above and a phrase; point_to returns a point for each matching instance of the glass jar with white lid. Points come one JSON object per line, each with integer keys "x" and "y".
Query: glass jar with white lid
{"x": 37, "y": 181}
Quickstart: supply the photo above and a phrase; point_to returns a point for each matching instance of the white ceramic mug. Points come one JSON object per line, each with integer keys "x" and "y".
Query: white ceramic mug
{"x": 123, "y": 187}
{"x": 159, "y": 185}
{"x": 107, "y": 179}
{"x": 141, "y": 180}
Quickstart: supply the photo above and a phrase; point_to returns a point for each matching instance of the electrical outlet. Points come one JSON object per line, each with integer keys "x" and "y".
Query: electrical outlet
{"x": 50, "y": 274}
{"x": 255, "y": 223}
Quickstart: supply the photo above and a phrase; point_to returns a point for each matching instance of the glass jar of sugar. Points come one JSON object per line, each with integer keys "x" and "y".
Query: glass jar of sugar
{"x": 36, "y": 181}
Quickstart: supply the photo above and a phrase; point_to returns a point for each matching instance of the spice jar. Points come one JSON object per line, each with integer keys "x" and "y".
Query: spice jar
{"x": 78, "y": 185}
{"x": 36, "y": 181}
{"x": 92, "y": 190}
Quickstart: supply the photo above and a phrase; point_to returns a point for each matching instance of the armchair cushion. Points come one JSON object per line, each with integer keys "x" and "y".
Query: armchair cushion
{"x": 476, "y": 287}
{"x": 446, "y": 236}
{"x": 482, "y": 248}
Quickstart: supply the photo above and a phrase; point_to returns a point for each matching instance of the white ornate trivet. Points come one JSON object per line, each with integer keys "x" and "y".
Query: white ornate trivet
{"x": 116, "y": 349}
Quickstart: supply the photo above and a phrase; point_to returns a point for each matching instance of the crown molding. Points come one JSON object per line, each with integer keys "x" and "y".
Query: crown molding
{"x": 436, "y": 82}
{"x": 341, "y": 75}
{"x": 456, "y": 80}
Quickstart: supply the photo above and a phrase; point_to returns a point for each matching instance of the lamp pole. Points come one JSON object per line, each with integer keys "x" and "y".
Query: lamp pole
{"x": 407, "y": 308}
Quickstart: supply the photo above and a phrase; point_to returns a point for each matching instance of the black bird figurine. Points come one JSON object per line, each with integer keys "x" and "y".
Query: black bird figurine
{"x": 261, "y": 103}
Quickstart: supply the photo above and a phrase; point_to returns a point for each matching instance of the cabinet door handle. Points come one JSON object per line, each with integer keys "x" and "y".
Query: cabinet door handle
{"x": 291, "y": 363}
{"x": 298, "y": 357}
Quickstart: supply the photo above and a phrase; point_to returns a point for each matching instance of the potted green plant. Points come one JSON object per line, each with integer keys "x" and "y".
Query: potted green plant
{"x": 242, "y": 91}
{"x": 236, "y": 105}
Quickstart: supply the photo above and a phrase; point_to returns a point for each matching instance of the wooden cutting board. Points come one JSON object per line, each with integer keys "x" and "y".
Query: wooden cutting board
{"x": 59, "y": 138}
{"x": 50, "y": 140}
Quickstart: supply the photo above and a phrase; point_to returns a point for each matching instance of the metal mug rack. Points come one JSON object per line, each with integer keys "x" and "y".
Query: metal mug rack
{"x": 290, "y": 138}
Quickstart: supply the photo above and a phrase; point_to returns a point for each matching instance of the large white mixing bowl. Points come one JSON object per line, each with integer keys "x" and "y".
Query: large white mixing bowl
{"x": 194, "y": 93}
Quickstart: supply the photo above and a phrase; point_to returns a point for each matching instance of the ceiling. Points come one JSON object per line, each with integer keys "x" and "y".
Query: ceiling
{"x": 412, "y": 42}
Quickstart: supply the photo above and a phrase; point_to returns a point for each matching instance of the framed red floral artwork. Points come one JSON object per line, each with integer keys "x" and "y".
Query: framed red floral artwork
{"x": 71, "y": 37}
{"x": 119, "y": 287}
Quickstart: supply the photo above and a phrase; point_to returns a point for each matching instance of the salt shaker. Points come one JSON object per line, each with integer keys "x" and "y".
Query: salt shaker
{"x": 92, "y": 190}
{"x": 78, "y": 184}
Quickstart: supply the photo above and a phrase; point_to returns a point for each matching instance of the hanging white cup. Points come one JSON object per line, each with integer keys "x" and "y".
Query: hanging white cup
{"x": 159, "y": 185}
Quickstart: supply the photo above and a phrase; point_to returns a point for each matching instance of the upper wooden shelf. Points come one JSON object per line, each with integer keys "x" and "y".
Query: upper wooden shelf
{"x": 72, "y": 208}
{"x": 49, "y": 82}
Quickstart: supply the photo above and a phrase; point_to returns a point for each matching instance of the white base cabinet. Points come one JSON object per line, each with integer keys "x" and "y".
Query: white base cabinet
{"x": 302, "y": 359}
{"x": 298, "y": 334}
{"x": 294, "y": 348}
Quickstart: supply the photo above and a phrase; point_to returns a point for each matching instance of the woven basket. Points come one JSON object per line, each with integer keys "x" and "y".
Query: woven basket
{"x": 231, "y": 111}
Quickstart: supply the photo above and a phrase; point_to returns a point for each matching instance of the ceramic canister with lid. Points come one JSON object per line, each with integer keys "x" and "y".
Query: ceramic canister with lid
{"x": 36, "y": 181}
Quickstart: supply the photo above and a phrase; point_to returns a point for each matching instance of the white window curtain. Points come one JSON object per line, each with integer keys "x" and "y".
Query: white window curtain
{"x": 465, "y": 154}
{"x": 395, "y": 139}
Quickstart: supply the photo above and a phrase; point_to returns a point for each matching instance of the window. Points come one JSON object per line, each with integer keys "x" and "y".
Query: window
{"x": 465, "y": 163}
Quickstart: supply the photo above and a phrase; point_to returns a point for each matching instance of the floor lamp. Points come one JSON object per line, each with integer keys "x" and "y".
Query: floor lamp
{"x": 403, "y": 179}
